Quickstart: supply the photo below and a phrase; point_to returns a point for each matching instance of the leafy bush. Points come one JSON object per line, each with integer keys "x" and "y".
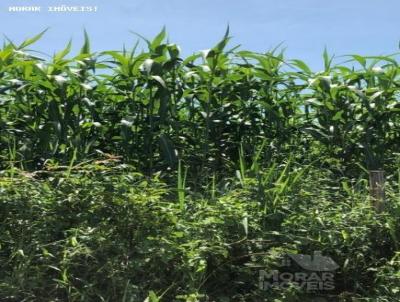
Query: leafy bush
{"x": 105, "y": 232}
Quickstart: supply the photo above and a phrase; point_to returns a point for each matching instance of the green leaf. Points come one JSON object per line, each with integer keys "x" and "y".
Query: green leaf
{"x": 158, "y": 39}
{"x": 152, "y": 297}
{"x": 338, "y": 116}
{"x": 32, "y": 40}
{"x": 303, "y": 66}
{"x": 360, "y": 60}
{"x": 174, "y": 51}
{"x": 221, "y": 44}
{"x": 86, "y": 45}
{"x": 329, "y": 105}
{"x": 345, "y": 235}
{"x": 327, "y": 60}
{"x": 60, "y": 55}
{"x": 76, "y": 109}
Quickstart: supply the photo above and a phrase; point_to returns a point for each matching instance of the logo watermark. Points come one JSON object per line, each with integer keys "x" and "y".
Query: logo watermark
{"x": 307, "y": 272}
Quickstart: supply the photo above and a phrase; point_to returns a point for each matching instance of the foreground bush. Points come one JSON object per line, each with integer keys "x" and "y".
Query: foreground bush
{"x": 103, "y": 232}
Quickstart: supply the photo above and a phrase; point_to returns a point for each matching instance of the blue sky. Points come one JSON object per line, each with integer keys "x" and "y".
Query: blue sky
{"x": 305, "y": 27}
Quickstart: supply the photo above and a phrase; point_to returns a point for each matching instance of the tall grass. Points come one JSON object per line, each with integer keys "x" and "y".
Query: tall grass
{"x": 154, "y": 108}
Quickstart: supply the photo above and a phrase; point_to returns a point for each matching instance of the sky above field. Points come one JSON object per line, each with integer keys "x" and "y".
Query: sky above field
{"x": 304, "y": 27}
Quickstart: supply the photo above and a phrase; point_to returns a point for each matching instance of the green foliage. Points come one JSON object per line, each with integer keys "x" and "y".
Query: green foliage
{"x": 103, "y": 231}
{"x": 154, "y": 107}
{"x": 145, "y": 176}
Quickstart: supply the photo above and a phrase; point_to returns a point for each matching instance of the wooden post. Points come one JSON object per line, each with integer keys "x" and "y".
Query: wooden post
{"x": 377, "y": 188}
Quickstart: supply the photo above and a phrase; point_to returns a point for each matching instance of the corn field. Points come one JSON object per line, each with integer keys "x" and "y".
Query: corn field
{"x": 154, "y": 108}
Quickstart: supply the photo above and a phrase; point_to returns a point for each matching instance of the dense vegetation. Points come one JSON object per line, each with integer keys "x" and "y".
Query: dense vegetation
{"x": 140, "y": 175}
